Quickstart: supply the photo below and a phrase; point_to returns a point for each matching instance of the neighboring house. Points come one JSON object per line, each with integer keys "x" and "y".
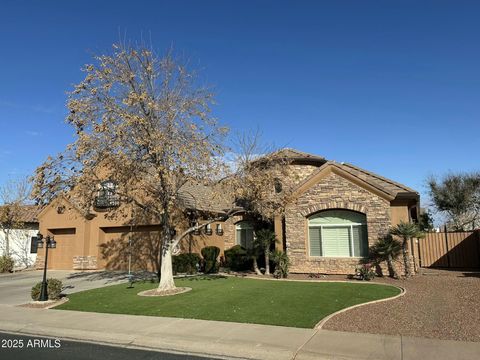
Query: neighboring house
{"x": 336, "y": 211}
{"x": 20, "y": 237}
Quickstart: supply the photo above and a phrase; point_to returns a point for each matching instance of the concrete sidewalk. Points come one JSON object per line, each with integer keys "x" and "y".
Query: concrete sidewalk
{"x": 224, "y": 339}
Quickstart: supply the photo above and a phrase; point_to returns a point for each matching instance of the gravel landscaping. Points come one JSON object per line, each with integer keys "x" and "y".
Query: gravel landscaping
{"x": 437, "y": 304}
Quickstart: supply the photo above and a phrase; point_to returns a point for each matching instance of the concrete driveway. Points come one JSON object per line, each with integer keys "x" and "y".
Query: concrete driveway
{"x": 15, "y": 288}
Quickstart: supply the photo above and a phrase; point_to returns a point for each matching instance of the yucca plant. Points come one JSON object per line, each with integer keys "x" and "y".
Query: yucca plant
{"x": 406, "y": 231}
{"x": 387, "y": 249}
{"x": 282, "y": 263}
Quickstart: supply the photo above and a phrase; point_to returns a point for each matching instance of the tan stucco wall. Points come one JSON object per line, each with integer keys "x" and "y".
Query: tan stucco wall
{"x": 102, "y": 242}
{"x": 399, "y": 211}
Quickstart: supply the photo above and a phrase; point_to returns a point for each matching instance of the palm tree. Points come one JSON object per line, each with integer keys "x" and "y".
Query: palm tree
{"x": 387, "y": 249}
{"x": 406, "y": 231}
{"x": 253, "y": 253}
{"x": 264, "y": 240}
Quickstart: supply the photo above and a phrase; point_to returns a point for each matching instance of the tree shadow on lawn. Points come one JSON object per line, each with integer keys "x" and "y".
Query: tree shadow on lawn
{"x": 203, "y": 277}
{"x": 113, "y": 276}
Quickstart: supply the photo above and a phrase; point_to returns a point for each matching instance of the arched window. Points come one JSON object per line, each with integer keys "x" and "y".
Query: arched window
{"x": 244, "y": 234}
{"x": 338, "y": 233}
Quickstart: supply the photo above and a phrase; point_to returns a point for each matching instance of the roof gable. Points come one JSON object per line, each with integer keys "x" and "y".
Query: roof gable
{"x": 332, "y": 167}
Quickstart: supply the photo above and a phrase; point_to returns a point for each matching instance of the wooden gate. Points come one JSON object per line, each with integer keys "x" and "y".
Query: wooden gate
{"x": 450, "y": 249}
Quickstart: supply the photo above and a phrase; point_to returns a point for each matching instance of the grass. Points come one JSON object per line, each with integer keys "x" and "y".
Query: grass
{"x": 284, "y": 303}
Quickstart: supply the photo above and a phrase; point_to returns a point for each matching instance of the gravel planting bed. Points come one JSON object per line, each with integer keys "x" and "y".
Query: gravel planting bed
{"x": 438, "y": 304}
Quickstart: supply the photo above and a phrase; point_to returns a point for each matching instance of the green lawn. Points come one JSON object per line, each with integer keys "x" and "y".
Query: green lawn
{"x": 284, "y": 303}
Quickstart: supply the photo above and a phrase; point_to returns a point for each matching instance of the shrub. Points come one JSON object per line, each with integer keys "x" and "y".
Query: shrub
{"x": 237, "y": 259}
{"x": 54, "y": 289}
{"x": 210, "y": 263}
{"x": 6, "y": 263}
{"x": 365, "y": 272}
{"x": 185, "y": 263}
{"x": 282, "y": 263}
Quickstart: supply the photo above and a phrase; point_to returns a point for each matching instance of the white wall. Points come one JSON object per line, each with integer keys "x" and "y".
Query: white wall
{"x": 19, "y": 247}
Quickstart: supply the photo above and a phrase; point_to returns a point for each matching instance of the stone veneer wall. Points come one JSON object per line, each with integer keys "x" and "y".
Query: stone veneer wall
{"x": 39, "y": 262}
{"x": 332, "y": 192}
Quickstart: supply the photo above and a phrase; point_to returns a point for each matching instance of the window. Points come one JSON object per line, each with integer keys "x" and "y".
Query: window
{"x": 33, "y": 245}
{"x": 219, "y": 230}
{"x": 244, "y": 234}
{"x": 338, "y": 233}
{"x": 107, "y": 195}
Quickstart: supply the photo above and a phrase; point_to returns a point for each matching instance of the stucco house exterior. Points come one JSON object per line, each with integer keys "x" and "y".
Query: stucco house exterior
{"x": 22, "y": 250}
{"x": 334, "y": 213}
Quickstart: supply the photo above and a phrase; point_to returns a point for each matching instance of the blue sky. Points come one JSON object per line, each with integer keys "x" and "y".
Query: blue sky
{"x": 391, "y": 86}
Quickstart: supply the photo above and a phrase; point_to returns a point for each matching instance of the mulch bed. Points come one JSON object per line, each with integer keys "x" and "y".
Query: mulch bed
{"x": 44, "y": 304}
{"x": 155, "y": 292}
{"x": 438, "y": 304}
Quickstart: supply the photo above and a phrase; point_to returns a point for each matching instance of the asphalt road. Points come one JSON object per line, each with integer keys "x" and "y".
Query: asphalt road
{"x": 41, "y": 348}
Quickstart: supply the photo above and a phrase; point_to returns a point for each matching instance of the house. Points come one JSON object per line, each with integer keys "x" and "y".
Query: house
{"x": 19, "y": 236}
{"x": 334, "y": 213}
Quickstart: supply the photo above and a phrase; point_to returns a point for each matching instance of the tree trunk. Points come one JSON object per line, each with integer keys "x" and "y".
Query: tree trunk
{"x": 255, "y": 266}
{"x": 406, "y": 258}
{"x": 391, "y": 267}
{"x": 7, "y": 242}
{"x": 267, "y": 263}
{"x": 166, "y": 273}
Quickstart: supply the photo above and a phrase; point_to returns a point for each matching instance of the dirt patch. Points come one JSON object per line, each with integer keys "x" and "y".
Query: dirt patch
{"x": 438, "y": 304}
{"x": 44, "y": 304}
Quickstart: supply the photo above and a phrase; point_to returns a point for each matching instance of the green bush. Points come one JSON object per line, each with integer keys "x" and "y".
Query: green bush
{"x": 54, "y": 289}
{"x": 6, "y": 263}
{"x": 210, "y": 263}
{"x": 237, "y": 259}
{"x": 365, "y": 272}
{"x": 185, "y": 263}
{"x": 282, "y": 264}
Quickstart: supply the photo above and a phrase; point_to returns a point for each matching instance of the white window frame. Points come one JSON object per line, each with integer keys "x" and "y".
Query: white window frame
{"x": 321, "y": 226}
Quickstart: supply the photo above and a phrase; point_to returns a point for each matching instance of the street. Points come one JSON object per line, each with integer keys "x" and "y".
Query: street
{"x": 41, "y": 348}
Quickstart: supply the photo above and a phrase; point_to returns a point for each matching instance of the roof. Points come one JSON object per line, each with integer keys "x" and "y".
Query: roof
{"x": 203, "y": 197}
{"x": 389, "y": 186}
{"x": 295, "y": 155}
{"x": 28, "y": 213}
{"x": 385, "y": 186}
{"x": 290, "y": 153}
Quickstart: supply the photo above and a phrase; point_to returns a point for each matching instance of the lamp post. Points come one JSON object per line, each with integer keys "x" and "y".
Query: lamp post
{"x": 49, "y": 243}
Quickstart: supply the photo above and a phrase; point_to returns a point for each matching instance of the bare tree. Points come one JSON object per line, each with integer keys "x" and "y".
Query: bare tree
{"x": 13, "y": 196}
{"x": 21, "y": 240}
{"x": 458, "y": 197}
{"x": 143, "y": 122}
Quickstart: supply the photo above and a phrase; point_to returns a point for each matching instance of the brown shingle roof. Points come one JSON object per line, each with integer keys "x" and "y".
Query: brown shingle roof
{"x": 293, "y": 155}
{"x": 389, "y": 186}
{"x": 381, "y": 183}
{"x": 203, "y": 197}
{"x": 28, "y": 213}
{"x": 297, "y": 154}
